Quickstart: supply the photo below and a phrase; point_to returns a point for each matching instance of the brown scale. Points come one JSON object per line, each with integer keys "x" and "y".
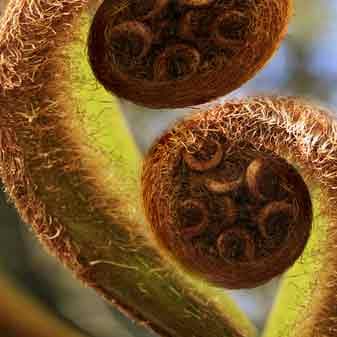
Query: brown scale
{"x": 235, "y": 245}
{"x": 147, "y": 10}
{"x": 237, "y": 208}
{"x": 195, "y": 25}
{"x": 165, "y": 53}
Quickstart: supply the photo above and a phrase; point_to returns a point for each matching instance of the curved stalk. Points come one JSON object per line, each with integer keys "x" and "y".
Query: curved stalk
{"x": 62, "y": 158}
{"x": 296, "y": 311}
{"x": 64, "y": 148}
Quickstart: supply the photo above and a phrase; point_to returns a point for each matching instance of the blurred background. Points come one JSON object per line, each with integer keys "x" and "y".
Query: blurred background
{"x": 305, "y": 65}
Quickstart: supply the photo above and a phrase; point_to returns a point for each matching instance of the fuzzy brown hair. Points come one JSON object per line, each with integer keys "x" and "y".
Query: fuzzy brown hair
{"x": 46, "y": 174}
{"x": 174, "y": 54}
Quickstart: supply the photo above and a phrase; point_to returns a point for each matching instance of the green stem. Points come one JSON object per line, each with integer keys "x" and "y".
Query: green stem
{"x": 294, "y": 303}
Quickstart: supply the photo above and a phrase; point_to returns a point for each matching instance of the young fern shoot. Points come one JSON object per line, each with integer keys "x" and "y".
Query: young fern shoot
{"x": 65, "y": 184}
{"x": 61, "y": 163}
{"x": 165, "y": 53}
{"x": 230, "y": 195}
{"x": 227, "y": 208}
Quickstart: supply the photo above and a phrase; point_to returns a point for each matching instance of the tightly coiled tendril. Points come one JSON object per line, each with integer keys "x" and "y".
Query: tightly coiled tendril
{"x": 164, "y": 53}
{"x": 232, "y": 211}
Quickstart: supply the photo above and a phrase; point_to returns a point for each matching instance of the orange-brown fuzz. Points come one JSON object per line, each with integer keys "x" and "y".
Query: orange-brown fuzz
{"x": 233, "y": 213}
{"x": 165, "y": 53}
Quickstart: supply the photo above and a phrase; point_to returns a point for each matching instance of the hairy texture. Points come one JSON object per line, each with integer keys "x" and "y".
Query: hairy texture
{"x": 226, "y": 208}
{"x": 57, "y": 184}
{"x": 288, "y": 128}
{"x": 65, "y": 190}
{"x": 165, "y": 53}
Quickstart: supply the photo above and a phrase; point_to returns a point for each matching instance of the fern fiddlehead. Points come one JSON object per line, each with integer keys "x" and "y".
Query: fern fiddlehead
{"x": 69, "y": 189}
{"x": 180, "y": 53}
